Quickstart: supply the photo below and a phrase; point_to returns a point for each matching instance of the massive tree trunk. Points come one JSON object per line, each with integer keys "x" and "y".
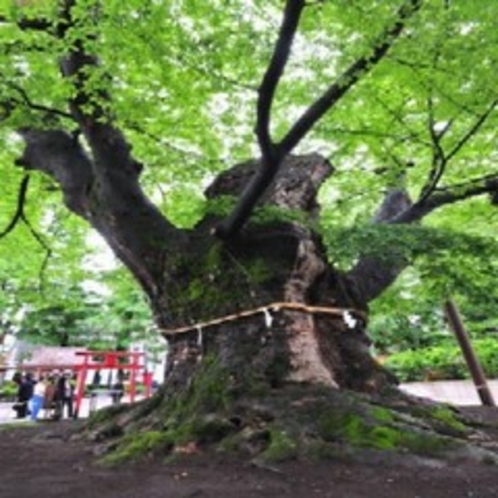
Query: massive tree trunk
{"x": 267, "y": 341}
{"x": 267, "y": 305}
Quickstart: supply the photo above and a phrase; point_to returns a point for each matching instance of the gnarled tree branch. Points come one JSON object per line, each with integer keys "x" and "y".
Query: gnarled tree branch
{"x": 444, "y": 196}
{"x": 372, "y": 275}
{"x": 273, "y": 154}
{"x": 281, "y": 53}
{"x": 349, "y": 78}
{"x": 21, "y": 199}
{"x": 101, "y": 186}
{"x": 60, "y": 155}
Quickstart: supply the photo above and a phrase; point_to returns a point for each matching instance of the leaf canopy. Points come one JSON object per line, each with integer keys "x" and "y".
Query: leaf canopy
{"x": 183, "y": 77}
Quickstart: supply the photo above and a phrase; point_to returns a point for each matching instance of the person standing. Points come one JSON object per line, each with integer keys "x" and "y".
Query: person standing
{"x": 38, "y": 398}
{"x": 65, "y": 395}
{"x": 24, "y": 393}
{"x": 49, "y": 403}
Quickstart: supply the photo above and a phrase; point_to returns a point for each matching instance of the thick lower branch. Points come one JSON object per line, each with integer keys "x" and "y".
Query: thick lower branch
{"x": 115, "y": 206}
{"x": 59, "y": 155}
{"x": 374, "y": 274}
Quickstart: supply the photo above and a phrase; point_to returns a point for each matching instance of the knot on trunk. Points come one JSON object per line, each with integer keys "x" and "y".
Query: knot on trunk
{"x": 295, "y": 186}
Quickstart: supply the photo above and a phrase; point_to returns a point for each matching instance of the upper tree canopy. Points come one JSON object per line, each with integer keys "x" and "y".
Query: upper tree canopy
{"x": 119, "y": 102}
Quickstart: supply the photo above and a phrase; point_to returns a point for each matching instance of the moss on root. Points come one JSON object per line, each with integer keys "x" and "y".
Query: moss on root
{"x": 105, "y": 415}
{"x": 287, "y": 423}
{"x": 282, "y": 446}
{"x": 134, "y": 447}
{"x": 443, "y": 418}
{"x": 362, "y": 431}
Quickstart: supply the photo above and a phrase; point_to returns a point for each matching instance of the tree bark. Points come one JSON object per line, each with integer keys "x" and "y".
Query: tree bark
{"x": 215, "y": 288}
{"x": 257, "y": 324}
{"x": 267, "y": 342}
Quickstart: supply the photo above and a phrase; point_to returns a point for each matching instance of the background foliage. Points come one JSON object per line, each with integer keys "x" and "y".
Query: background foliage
{"x": 183, "y": 76}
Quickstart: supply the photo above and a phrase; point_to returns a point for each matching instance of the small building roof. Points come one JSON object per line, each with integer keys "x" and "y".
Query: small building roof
{"x": 53, "y": 356}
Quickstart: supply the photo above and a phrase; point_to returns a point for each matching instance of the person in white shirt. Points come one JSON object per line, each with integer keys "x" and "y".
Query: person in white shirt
{"x": 38, "y": 398}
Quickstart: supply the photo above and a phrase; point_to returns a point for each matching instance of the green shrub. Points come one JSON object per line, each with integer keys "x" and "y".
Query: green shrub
{"x": 8, "y": 390}
{"x": 444, "y": 361}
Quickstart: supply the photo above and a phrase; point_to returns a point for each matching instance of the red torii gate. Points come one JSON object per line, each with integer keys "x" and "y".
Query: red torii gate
{"x": 111, "y": 360}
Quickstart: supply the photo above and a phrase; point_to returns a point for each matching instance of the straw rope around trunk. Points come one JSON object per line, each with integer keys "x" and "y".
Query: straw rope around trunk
{"x": 266, "y": 310}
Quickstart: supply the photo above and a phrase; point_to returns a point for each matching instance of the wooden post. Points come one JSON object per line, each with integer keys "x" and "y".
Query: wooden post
{"x": 133, "y": 376}
{"x": 80, "y": 387}
{"x": 475, "y": 368}
{"x": 148, "y": 384}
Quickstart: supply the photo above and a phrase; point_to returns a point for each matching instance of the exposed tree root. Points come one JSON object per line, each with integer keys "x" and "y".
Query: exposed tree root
{"x": 292, "y": 422}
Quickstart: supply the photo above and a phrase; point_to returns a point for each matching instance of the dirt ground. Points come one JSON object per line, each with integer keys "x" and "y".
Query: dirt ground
{"x": 46, "y": 461}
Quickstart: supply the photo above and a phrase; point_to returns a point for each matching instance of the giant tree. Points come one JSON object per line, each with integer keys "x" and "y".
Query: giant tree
{"x": 111, "y": 98}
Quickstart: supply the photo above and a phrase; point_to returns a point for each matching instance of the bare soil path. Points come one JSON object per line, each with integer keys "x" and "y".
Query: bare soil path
{"x": 44, "y": 461}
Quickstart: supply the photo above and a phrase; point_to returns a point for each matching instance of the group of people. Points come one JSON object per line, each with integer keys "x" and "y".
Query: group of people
{"x": 51, "y": 395}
